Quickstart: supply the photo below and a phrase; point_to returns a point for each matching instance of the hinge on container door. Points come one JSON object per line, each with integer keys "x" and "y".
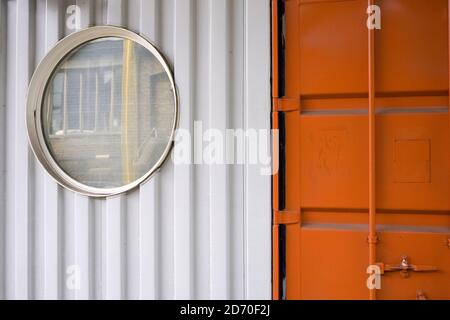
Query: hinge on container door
{"x": 286, "y": 217}
{"x": 286, "y": 104}
{"x": 372, "y": 240}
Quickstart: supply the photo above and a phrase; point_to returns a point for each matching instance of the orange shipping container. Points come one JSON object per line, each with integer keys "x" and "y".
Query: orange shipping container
{"x": 364, "y": 184}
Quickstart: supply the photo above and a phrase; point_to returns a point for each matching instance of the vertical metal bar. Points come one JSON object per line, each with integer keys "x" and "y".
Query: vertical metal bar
{"x": 372, "y": 147}
{"x": 83, "y": 223}
{"x": 148, "y": 239}
{"x": 116, "y": 14}
{"x": 3, "y": 32}
{"x": 236, "y": 120}
{"x": 9, "y": 151}
{"x": 140, "y": 85}
{"x": 23, "y": 183}
{"x": 201, "y": 172}
{"x": 83, "y": 206}
{"x": 113, "y": 217}
{"x": 53, "y": 200}
{"x": 183, "y": 173}
{"x": 100, "y": 12}
{"x": 257, "y": 190}
{"x": 17, "y": 219}
{"x": 166, "y": 193}
{"x": 219, "y": 174}
{"x": 149, "y": 193}
{"x": 276, "y": 292}
{"x": 114, "y": 246}
{"x": 87, "y": 13}
{"x": 149, "y": 19}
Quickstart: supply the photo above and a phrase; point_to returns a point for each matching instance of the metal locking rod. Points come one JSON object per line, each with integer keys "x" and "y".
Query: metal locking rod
{"x": 405, "y": 267}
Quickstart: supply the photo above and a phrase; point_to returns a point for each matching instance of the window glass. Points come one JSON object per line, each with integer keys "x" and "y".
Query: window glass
{"x": 108, "y": 112}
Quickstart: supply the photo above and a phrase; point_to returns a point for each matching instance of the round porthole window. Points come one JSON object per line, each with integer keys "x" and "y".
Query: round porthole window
{"x": 102, "y": 111}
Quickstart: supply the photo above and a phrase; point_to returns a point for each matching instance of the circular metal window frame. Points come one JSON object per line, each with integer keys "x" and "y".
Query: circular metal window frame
{"x": 35, "y": 100}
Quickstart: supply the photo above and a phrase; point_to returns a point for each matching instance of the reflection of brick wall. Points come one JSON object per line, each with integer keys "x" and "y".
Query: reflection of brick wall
{"x": 162, "y": 104}
{"x": 93, "y": 159}
{"x": 156, "y": 110}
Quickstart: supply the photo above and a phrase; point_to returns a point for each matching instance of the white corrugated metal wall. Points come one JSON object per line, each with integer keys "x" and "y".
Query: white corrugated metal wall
{"x": 195, "y": 232}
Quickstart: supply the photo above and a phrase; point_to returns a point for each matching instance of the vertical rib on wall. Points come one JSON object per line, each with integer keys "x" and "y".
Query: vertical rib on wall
{"x": 195, "y": 231}
{"x": 2, "y": 143}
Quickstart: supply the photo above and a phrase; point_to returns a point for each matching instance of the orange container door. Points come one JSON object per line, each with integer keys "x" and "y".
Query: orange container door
{"x": 364, "y": 150}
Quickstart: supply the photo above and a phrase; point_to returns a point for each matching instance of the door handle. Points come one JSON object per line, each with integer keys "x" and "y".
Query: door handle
{"x": 405, "y": 267}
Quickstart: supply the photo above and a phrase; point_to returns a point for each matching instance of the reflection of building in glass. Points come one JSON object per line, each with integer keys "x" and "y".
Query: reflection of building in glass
{"x": 109, "y": 113}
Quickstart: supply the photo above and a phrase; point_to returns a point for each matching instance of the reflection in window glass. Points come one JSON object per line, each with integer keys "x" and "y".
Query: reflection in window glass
{"x": 108, "y": 113}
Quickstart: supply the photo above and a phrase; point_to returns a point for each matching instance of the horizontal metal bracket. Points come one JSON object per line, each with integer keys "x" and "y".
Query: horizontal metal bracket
{"x": 286, "y": 217}
{"x": 286, "y": 104}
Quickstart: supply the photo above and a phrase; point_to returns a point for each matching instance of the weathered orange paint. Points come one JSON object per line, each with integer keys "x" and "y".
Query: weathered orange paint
{"x": 367, "y": 148}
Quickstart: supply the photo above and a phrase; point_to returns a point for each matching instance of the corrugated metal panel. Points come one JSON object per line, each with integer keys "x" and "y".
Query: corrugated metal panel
{"x": 191, "y": 231}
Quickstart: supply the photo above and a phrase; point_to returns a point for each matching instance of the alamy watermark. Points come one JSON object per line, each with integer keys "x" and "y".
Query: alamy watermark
{"x": 73, "y": 277}
{"x": 73, "y": 17}
{"x": 227, "y": 147}
{"x": 374, "y": 279}
{"x": 374, "y": 19}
